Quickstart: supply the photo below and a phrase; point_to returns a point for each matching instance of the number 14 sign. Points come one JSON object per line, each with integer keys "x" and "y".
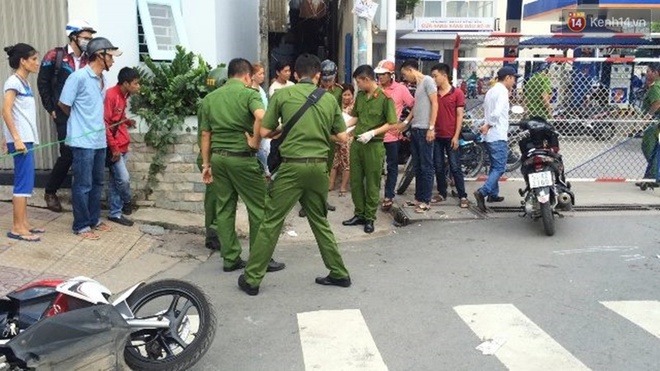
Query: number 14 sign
{"x": 576, "y": 21}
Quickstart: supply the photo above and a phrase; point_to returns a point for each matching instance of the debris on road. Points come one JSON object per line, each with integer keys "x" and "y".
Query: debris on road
{"x": 490, "y": 346}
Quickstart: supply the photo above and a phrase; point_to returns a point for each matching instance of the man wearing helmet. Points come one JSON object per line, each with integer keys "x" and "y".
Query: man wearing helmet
{"x": 82, "y": 100}
{"x": 402, "y": 97}
{"x": 56, "y": 67}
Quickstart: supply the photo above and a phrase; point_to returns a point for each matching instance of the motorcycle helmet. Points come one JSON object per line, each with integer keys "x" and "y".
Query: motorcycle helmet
{"x": 328, "y": 70}
{"x": 73, "y": 28}
{"x": 101, "y": 44}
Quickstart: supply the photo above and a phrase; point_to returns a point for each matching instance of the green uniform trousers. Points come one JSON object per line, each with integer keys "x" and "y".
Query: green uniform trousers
{"x": 366, "y": 171}
{"x": 235, "y": 177}
{"x": 293, "y": 182}
{"x": 210, "y": 212}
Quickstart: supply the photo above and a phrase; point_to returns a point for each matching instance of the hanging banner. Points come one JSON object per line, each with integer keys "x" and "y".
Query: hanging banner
{"x": 454, "y": 24}
{"x": 365, "y": 9}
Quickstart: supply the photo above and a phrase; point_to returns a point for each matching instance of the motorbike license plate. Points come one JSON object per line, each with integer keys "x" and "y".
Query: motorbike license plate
{"x": 542, "y": 179}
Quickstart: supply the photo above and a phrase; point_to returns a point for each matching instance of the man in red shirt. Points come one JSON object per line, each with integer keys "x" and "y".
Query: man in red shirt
{"x": 451, "y": 106}
{"x": 402, "y": 97}
{"x": 128, "y": 83}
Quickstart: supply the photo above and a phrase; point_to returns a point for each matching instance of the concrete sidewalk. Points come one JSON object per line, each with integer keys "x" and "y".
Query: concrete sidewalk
{"x": 127, "y": 255}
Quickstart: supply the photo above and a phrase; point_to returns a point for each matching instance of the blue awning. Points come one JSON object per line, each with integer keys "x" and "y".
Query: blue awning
{"x": 574, "y": 42}
{"x": 417, "y": 53}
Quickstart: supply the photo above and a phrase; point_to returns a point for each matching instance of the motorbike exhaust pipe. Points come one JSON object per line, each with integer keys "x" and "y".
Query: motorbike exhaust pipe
{"x": 564, "y": 198}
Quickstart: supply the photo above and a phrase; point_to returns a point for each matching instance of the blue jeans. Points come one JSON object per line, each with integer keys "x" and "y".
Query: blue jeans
{"x": 422, "y": 157}
{"x": 120, "y": 186}
{"x": 441, "y": 147}
{"x": 392, "y": 159}
{"x": 498, "y": 152}
{"x": 86, "y": 187}
{"x": 262, "y": 155}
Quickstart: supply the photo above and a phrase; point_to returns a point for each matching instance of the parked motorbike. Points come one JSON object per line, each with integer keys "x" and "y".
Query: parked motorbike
{"x": 543, "y": 170}
{"x": 166, "y": 325}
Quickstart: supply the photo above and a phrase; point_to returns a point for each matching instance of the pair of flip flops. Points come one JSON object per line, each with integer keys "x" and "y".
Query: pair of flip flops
{"x": 25, "y": 237}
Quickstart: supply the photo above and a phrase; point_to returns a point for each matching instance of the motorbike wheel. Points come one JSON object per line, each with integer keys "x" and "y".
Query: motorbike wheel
{"x": 407, "y": 178}
{"x": 548, "y": 219}
{"x": 603, "y": 131}
{"x": 168, "y": 349}
{"x": 472, "y": 160}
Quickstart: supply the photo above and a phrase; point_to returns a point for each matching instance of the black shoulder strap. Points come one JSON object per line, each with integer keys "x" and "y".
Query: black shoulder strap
{"x": 58, "y": 61}
{"x": 311, "y": 100}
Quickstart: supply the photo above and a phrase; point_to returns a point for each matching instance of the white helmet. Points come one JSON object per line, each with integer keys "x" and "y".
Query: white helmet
{"x": 76, "y": 26}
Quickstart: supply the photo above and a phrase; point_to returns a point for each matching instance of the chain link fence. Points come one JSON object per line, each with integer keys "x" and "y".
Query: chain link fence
{"x": 595, "y": 103}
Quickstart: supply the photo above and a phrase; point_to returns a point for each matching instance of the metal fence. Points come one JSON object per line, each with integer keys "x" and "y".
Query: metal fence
{"x": 595, "y": 103}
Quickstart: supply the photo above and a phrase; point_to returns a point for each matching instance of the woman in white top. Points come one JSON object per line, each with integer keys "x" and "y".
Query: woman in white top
{"x": 21, "y": 133}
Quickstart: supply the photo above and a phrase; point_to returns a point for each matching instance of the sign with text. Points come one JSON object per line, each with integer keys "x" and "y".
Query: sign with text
{"x": 454, "y": 24}
{"x": 365, "y": 9}
{"x": 585, "y": 20}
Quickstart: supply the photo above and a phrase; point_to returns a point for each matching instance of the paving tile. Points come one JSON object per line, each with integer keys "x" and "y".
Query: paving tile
{"x": 72, "y": 266}
{"x": 12, "y": 278}
{"x": 107, "y": 251}
{"x": 36, "y": 256}
{"x": 141, "y": 247}
{"x": 42, "y": 215}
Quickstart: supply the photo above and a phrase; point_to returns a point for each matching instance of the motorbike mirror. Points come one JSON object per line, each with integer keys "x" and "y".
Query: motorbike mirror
{"x": 518, "y": 110}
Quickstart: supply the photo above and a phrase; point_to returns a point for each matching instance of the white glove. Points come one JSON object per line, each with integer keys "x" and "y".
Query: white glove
{"x": 366, "y": 137}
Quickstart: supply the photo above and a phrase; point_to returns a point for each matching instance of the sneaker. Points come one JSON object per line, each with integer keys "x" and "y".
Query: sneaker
{"x": 481, "y": 201}
{"x": 121, "y": 220}
{"x": 495, "y": 199}
{"x": 53, "y": 202}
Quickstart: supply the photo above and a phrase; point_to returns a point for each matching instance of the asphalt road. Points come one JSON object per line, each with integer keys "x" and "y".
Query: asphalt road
{"x": 586, "y": 298}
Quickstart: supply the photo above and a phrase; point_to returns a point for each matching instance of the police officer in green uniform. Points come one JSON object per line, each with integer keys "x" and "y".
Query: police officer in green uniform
{"x": 328, "y": 82}
{"x": 302, "y": 176}
{"x": 230, "y": 119}
{"x": 374, "y": 114}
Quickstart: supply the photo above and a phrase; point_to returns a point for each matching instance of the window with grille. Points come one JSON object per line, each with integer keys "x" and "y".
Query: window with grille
{"x": 160, "y": 28}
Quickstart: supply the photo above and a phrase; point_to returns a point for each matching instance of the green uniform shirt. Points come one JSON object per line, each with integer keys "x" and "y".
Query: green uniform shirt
{"x": 310, "y": 137}
{"x": 337, "y": 93}
{"x": 228, "y": 113}
{"x": 535, "y": 88}
{"x": 373, "y": 111}
{"x": 652, "y": 96}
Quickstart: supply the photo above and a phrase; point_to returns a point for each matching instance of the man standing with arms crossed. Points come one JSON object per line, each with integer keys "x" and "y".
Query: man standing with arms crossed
{"x": 401, "y": 97}
{"x": 302, "y": 176}
{"x": 495, "y": 131}
{"x": 422, "y": 120}
{"x": 230, "y": 119}
{"x": 56, "y": 67}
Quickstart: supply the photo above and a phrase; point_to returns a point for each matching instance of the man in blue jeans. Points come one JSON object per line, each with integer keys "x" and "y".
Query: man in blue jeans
{"x": 422, "y": 121}
{"x": 451, "y": 106}
{"x": 128, "y": 83}
{"x": 82, "y": 100}
{"x": 495, "y": 131}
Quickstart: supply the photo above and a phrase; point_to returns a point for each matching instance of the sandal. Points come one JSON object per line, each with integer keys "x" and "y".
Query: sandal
{"x": 23, "y": 237}
{"x": 102, "y": 227}
{"x": 422, "y": 208}
{"x": 437, "y": 198}
{"x": 342, "y": 193}
{"x": 89, "y": 235}
{"x": 386, "y": 204}
{"x": 37, "y": 231}
{"x": 464, "y": 203}
{"x": 412, "y": 203}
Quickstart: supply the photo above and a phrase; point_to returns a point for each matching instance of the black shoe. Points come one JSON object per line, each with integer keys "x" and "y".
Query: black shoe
{"x": 369, "y": 226}
{"x": 481, "y": 202}
{"x": 121, "y": 220}
{"x": 329, "y": 281}
{"x": 53, "y": 202}
{"x": 240, "y": 264}
{"x": 212, "y": 241}
{"x": 495, "y": 199}
{"x": 127, "y": 209}
{"x": 330, "y": 207}
{"x": 274, "y": 266}
{"x": 245, "y": 287}
{"x": 355, "y": 220}
{"x": 302, "y": 213}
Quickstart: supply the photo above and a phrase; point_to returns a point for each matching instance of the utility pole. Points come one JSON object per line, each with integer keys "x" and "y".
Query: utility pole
{"x": 390, "y": 46}
{"x": 263, "y": 38}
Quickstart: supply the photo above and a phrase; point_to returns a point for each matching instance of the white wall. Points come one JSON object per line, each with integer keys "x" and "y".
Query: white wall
{"x": 200, "y": 22}
{"x": 237, "y": 23}
{"x": 115, "y": 20}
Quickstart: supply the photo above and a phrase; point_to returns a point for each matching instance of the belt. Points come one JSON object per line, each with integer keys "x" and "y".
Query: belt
{"x": 222, "y": 152}
{"x": 305, "y": 160}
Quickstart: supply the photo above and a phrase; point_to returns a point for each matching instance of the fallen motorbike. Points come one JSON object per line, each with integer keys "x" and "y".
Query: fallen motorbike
{"x": 543, "y": 170}
{"x": 70, "y": 325}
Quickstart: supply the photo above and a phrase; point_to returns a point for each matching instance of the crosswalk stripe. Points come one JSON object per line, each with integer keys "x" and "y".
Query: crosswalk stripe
{"x": 527, "y": 346}
{"x": 645, "y": 314}
{"x": 338, "y": 340}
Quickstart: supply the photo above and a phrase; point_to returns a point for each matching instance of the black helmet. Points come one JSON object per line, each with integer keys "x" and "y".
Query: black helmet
{"x": 328, "y": 69}
{"x": 101, "y": 44}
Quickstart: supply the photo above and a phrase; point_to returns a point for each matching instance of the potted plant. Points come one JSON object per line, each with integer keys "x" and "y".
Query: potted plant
{"x": 170, "y": 93}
